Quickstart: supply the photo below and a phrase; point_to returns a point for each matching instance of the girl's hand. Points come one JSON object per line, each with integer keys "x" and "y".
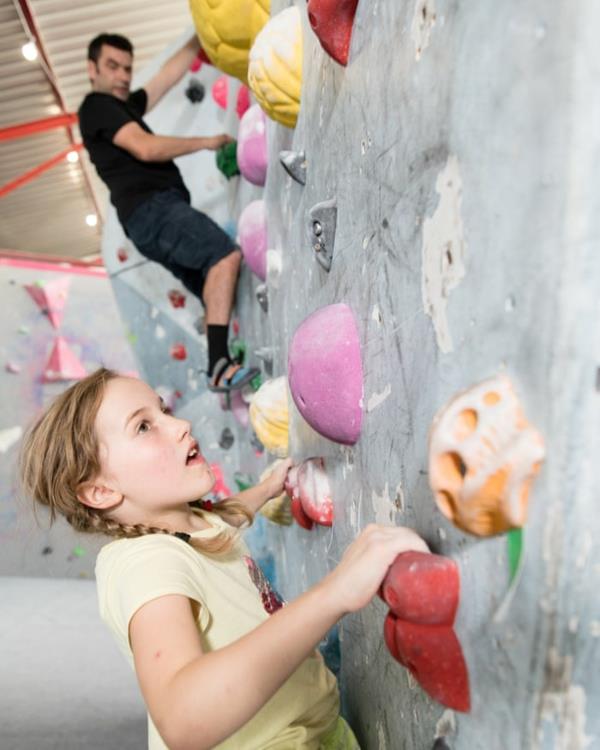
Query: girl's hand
{"x": 273, "y": 484}
{"x": 357, "y": 578}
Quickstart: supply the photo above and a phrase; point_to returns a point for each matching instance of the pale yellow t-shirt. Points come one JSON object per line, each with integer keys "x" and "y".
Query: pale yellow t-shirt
{"x": 230, "y": 591}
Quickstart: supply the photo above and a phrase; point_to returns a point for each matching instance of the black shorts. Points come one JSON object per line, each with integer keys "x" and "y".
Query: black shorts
{"x": 166, "y": 229}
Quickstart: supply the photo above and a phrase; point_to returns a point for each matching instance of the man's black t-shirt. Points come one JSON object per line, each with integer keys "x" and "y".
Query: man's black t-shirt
{"x": 129, "y": 180}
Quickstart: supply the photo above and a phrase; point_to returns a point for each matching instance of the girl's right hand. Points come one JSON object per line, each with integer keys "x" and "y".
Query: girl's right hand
{"x": 360, "y": 572}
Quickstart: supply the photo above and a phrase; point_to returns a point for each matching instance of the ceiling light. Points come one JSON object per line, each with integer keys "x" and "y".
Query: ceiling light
{"x": 91, "y": 220}
{"x": 72, "y": 157}
{"x": 29, "y": 51}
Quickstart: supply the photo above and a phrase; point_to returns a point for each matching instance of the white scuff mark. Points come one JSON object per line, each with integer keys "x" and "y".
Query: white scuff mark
{"x": 573, "y": 624}
{"x": 552, "y": 541}
{"x": 595, "y": 629}
{"x": 381, "y": 739}
{"x": 378, "y": 398}
{"x": 9, "y": 437}
{"x": 381, "y": 505}
{"x": 160, "y": 332}
{"x": 442, "y": 534}
{"x": 586, "y": 548}
{"x": 446, "y": 725}
{"x": 443, "y": 251}
{"x": 153, "y": 312}
{"x": 355, "y": 512}
{"x": 376, "y": 314}
{"x": 563, "y": 704}
{"x": 422, "y": 23}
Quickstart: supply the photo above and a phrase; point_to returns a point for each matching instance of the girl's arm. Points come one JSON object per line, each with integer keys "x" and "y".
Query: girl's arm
{"x": 197, "y": 699}
{"x": 255, "y": 497}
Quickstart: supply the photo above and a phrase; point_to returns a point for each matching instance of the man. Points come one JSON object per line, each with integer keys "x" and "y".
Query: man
{"x": 152, "y": 202}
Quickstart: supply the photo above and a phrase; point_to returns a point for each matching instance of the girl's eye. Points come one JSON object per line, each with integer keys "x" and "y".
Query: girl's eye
{"x": 143, "y": 426}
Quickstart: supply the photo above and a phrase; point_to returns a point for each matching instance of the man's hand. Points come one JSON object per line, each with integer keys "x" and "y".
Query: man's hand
{"x": 214, "y": 142}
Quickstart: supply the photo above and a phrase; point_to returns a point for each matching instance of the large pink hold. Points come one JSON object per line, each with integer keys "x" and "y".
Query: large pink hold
{"x": 252, "y": 145}
{"x": 62, "y": 364}
{"x": 252, "y": 230}
{"x": 325, "y": 373}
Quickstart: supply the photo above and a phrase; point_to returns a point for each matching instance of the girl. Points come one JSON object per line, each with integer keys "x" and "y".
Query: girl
{"x": 220, "y": 662}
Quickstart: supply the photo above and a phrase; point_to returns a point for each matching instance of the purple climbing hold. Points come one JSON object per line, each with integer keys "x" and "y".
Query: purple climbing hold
{"x": 325, "y": 373}
{"x": 252, "y": 145}
{"x": 252, "y": 229}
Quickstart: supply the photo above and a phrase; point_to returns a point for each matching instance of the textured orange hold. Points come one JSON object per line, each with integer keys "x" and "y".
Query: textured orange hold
{"x": 483, "y": 457}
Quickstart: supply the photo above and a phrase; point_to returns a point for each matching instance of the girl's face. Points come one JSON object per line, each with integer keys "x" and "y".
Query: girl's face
{"x": 147, "y": 455}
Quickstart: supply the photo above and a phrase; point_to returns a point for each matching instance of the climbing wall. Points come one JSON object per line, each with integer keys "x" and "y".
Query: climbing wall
{"x": 448, "y": 205}
{"x": 458, "y": 145}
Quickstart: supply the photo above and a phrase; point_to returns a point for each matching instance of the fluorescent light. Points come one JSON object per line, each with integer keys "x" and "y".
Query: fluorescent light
{"x": 73, "y": 157}
{"x": 29, "y": 51}
{"x": 91, "y": 220}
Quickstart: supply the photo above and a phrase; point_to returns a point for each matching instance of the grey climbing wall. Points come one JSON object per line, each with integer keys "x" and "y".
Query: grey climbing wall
{"x": 461, "y": 146}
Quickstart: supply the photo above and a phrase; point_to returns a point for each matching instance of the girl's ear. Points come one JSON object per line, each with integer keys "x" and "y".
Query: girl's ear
{"x": 98, "y": 495}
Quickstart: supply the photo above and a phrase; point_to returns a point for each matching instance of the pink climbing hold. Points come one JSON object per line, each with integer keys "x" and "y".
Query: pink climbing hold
{"x": 252, "y": 146}
{"x": 325, "y": 373}
{"x": 243, "y": 100}
{"x": 219, "y": 91}
{"x": 220, "y": 488}
{"x": 252, "y": 230}
{"x": 332, "y": 21}
{"x": 62, "y": 364}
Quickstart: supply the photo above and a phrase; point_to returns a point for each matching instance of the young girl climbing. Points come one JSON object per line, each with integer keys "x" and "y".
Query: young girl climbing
{"x": 220, "y": 662}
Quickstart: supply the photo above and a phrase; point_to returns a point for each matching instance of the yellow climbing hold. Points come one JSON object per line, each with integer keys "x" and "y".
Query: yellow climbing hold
{"x": 227, "y": 29}
{"x": 277, "y": 509}
{"x": 275, "y": 68}
{"x": 269, "y": 415}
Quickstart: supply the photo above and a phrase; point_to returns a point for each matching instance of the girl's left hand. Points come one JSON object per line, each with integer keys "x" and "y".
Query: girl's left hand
{"x": 274, "y": 482}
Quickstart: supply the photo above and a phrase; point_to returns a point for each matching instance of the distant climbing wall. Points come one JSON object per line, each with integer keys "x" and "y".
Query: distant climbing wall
{"x": 445, "y": 196}
{"x": 58, "y": 322}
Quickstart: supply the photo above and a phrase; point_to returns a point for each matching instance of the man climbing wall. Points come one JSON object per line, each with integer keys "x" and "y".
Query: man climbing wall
{"x": 146, "y": 188}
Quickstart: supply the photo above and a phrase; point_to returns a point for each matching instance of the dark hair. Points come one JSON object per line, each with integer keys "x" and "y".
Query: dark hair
{"x": 113, "y": 40}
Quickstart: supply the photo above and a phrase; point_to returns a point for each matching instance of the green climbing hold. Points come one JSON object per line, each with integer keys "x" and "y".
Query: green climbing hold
{"x": 227, "y": 160}
{"x": 515, "y": 546}
{"x": 78, "y": 551}
{"x": 243, "y": 481}
{"x": 237, "y": 348}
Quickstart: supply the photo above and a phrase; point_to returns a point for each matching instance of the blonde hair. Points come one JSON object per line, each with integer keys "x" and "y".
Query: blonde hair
{"x": 61, "y": 453}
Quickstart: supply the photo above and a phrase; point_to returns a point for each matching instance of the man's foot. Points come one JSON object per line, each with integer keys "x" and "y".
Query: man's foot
{"x": 230, "y": 376}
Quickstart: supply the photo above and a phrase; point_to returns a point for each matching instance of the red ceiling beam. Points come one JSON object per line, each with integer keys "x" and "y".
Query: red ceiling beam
{"x": 37, "y": 171}
{"x": 24, "y": 129}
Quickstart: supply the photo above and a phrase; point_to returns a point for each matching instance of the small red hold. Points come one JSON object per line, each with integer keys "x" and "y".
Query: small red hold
{"x": 433, "y": 655}
{"x": 122, "y": 254}
{"x": 332, "y": 21}
{"x": 243, "y": 100}
{"x": 235, "y": 326}
{"x": 298, "y": 512}
{"x": 200, "y": 58}
{"x": 422, "y": 588}
{"x": 176, "y": 298}
{"x": 178, "y": 394}
{"x": 178, "y": 351}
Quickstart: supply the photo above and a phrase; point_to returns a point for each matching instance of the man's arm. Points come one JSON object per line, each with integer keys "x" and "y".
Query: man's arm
{"x": 150, "y": 147}
{"x": 171, "y": 72}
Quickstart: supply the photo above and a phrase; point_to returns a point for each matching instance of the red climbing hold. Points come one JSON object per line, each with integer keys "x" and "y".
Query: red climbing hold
{"x": 197, "y": 62}
{"x": 432, "y": 653}
{"x": 176, "y": 298}
{"x": 332, "y": 20}
{"x": 298, "y": 512}
{"x": 422, "y": 588}
{"x": 122, "y": 254}
{"x": 178, "y": 351}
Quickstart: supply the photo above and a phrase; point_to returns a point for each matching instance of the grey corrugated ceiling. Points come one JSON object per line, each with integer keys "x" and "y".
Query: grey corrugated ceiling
{"x": 47, "y": 215}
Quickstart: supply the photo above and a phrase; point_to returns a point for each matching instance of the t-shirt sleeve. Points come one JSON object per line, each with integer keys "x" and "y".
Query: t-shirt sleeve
{"x": 138, "y": 100}
{"x": 153, "y": 567}
{"x": 103, "y": 117}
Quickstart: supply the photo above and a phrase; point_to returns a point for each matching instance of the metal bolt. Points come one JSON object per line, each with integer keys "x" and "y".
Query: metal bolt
{"x": 317, "y": 228}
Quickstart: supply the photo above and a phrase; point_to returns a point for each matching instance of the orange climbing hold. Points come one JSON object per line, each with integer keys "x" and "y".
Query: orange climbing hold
{"x": 332, "y": 21}
{"x": 483, "y": 457}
